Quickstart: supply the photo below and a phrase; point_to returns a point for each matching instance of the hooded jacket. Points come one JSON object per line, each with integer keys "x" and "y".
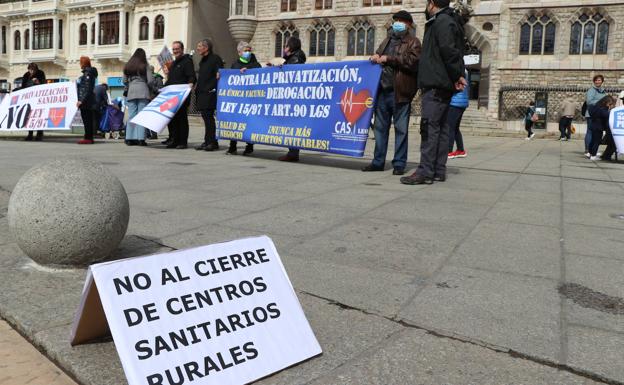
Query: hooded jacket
{"x": 442, "y": 59}
{"x": 86, "y": 86}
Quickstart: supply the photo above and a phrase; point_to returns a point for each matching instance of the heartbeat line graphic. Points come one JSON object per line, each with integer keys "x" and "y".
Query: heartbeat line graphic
{"x": 347, "y": 101}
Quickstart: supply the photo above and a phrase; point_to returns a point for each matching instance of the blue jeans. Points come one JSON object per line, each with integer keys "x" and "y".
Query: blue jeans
{"x": 134, "y": 131}
{"x": 588, "y": 136}
{"x": 388, "y": 111}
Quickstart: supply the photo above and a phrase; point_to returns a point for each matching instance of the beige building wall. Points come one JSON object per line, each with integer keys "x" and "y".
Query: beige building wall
{"x": 494, "y": 30}
{"x": 185, "y": 20}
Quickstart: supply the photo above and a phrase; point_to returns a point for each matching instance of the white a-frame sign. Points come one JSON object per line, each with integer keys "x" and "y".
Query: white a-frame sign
{"x": 217, "y": 314}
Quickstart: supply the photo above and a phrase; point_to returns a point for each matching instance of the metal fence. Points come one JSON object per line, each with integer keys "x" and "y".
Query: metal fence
{"x": 514, "y": 100}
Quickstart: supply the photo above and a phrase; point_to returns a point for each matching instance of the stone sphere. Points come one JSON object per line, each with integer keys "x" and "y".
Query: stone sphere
{"x": 69, "y": 211}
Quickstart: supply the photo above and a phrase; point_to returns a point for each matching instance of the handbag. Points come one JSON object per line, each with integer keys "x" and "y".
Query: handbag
{"x": 534, "y": 117}
{"x": 572, "y": 129}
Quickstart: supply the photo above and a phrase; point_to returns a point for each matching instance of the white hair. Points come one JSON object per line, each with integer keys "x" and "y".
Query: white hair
{"x": 242, "y": 45}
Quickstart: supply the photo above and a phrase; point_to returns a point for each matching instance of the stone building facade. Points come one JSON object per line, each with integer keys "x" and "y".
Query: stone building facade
{"x": 55, "y": 33}
{"x": 538, "y": 43}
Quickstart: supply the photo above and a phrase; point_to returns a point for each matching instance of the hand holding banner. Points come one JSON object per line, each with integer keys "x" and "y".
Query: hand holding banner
{"x": 44, "y": 107}
{"x": 159, "y": 112}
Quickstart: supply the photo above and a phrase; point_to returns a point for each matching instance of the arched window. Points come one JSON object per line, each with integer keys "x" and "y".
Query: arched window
{"x": 360, "y": 39}
{"x": 17, "y": 41}
{"x": 159, "y": 27}
{"x": 537, "y": 36}
{"x": 27, "y": 39}
{"x": 82, "y": 34}
{"x": 322, "y": 40}
{"x": 589, "y": 35}
{"x": 282, "y": 35}
{"x": 144, "y": 28}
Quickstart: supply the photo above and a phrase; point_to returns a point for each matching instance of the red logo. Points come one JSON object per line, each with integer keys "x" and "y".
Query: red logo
{"x": 56, "y": 117}
{"x": 354, "y": 105}
{"x": 169, "y": 104}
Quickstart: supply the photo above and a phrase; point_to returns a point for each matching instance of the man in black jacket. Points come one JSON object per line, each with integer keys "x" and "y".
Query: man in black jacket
{"x": 181, "y": 71}
{"x": 33, "y": 77}
{"x": 441, "y": 74}
{"x": 206, "y": 92}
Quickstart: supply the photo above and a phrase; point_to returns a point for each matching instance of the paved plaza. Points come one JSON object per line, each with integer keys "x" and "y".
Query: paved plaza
{"x": 510, "y": 272}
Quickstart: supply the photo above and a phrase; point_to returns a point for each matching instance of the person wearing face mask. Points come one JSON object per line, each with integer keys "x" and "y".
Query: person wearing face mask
{"x": 398, "y": 55}
{"x": 441, "y": 71}
{"x": 292, "y": 54}
{"x": 206, "y": 92}
{"x": 246, "y": 60}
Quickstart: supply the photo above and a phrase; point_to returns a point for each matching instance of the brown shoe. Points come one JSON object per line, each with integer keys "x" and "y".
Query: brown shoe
{"x": 415, "y": 178}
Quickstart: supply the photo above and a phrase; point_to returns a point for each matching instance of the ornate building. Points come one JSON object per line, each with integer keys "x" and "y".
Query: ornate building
{"x": 539, "y": 43}
{"x": 55, "y": 33}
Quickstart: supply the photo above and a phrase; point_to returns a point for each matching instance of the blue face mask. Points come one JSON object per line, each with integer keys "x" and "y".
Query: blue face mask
{"x": 399, "y": 26}
{"x": 246, "y": 55}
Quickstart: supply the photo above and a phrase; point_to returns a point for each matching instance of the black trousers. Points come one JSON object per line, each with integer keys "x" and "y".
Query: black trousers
{"x": 210, "y": 133}
{"x": 179, "y": 126}
{"x": 88, "y": 119}
{"x": 39, "y": 134}
{"x": 528, "y": 126}
{"x": 434, "y": 132}
{"x": 564, "y": 127}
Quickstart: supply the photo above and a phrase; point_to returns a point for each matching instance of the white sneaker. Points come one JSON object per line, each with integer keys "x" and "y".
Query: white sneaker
{"x": 532, "y": 136}
{"x": 595, "y": 157}
{"x": 527, "y": 138}
{"x": 587, "y": 155}
{"x": 598, "y": 154}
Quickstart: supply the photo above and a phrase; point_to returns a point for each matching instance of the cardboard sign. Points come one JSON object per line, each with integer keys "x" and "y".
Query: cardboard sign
{"x": 43, "y": 107}
{"x": 218, "y": 314}
{"x": 164, "y": 57}
{"x": 159, "y": 112}
{"x": 616, "y": 123}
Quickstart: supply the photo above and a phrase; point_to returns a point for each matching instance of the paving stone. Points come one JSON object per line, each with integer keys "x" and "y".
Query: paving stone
{"x": 595, "y": 350}
{"x": 409, "y": 247}
{"x": 516, "y": 312}
{"x": 594, "y": 241}
{"x": 374, "y": 291}
{"x": 519, "y": 249}
{"x": 594, "y": 215}
{"x": 415, "y": 357}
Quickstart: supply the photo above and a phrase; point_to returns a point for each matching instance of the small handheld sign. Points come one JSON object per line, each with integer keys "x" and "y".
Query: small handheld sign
{"x": 218, "y": 314}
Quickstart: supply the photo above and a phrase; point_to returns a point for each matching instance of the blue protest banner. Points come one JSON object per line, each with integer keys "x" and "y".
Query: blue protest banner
{"x": 324, "y": 107}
